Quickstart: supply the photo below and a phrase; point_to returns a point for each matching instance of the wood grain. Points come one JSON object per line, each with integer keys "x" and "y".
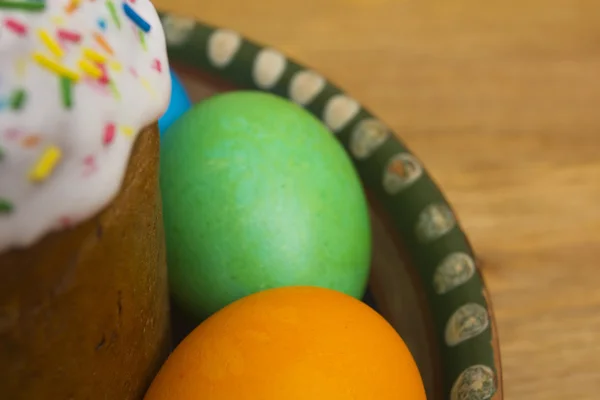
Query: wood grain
{"x": 501, "y": 100}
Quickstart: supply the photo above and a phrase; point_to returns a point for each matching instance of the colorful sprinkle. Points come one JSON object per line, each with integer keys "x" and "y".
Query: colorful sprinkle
{"x": 21, "y": 67}
{"x": 115, "y": 66}
{"x": 66, "y": 91}
{"x": 17, "y": 99}
{"x": 32, "y": 6}
{"x": 127, "y": 130}
{"x": 69, "y": 35}
{"x": 45, "y": 164}
{"x": 50, "y": 43}
{"x": 15, "y": 26}
{"x": 143, "y": 40}
{"x": 30, "y": 141}
{"x": 55, "y": 67}
{"x": 90, "y": 69}
{"x": 72, "y": 6}
{"x": 148, "y": 87}
{"x": 113, "y": 13}
{"x": 109, "y": 134}
{"x": 136, "y": 18}
{"x": 90, "y": 166}
{"x": 102, "y": 24}
{"x": 65, "y": 222}
{"x": 104, "y": 78}
{"x": 103, "y": 43}
{"x": 1, "y": 154}
{"x": 12, "y": 134}
{"x": 89, "y": 160}
{"x": 156, "y": 64}
{"x": 114, "y": 90}
{"x": 57, "y": 20}
{"x": 93, "y": 55}
{"x": 6, "y": 206}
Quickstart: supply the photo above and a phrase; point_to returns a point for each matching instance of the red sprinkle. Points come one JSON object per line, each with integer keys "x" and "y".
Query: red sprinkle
{"x": 65, "y": 222}
{"x": 104, "y": 78}
{"x": 69, "y": 35}
{"x": 157, "y": 65}
{"x": 109, "y": 133}
{"x": 15, "y": 26}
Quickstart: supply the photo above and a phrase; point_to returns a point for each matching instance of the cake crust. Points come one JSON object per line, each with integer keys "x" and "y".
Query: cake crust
{"x": 84, "y": 311}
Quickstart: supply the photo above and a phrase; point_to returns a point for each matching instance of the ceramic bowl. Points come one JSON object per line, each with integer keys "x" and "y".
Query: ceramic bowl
{"x": 424, "y": 279}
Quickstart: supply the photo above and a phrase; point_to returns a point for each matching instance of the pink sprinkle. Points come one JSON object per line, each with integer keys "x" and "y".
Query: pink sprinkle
{"x": 12, "y": 134}
{"x": 15, "y": 26}
{"x": 65, "y": 222}
{"x": 69, "y": 35}
{"x": 90, "y": 166}
{"x": 97, "y": 85}
{"x": 89, "y": 160}
{"x": 133, "y": 72}
{"x": 157, "y": 65}
{"x": 104, "y": 78}
{"x": 109, "y": 133}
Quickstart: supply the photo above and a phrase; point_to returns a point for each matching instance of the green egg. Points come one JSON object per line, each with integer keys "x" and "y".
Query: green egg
{"x": 258, "y": 194}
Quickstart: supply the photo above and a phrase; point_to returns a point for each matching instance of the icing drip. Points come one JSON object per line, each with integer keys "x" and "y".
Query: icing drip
{"x": 78, "y": 80}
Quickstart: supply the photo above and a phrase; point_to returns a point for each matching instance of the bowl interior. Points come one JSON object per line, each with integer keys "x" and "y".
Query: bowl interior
{"x": 393, "y": 289}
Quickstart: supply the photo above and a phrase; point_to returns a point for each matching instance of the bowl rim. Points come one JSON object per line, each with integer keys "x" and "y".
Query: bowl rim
{"x": 440, "y": 252}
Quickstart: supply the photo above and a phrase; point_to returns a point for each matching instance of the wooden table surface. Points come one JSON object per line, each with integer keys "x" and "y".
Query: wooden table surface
{"x": 501, "y": 100}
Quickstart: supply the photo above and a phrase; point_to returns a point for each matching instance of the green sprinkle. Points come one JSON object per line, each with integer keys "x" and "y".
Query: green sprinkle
{"x": 114, "y": 90}
{"x": 17, "y": 99}
{"x": 113, "y": 13}
{"x": 23, "y": 5}
{"x": 66, "y": 86}
{"x": 143, "y": 40}
{"x": 5, "y": 206}
{"x": 1, "y": 154}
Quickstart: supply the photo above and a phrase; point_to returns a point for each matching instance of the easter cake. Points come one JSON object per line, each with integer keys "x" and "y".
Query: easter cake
{"x": 83, "y": 295}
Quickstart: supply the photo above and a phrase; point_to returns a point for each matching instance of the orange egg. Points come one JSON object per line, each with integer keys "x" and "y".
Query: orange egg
{"x": 291, "y": 343}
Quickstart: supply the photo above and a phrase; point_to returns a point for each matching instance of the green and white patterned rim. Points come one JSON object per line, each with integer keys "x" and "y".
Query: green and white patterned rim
{"x": 436, "y": 244}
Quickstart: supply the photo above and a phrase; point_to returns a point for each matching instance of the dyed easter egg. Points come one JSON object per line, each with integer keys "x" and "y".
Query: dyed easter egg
{"x": 258, "y": 194}
{"x": 292, "y": 343}
{"x": 180, "y": 103}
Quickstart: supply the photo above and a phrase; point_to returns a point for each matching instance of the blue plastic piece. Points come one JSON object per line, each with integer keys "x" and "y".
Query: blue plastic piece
{"x": 179, "y": 104}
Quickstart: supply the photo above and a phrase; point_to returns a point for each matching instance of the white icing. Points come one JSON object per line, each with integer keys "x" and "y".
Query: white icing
{"x": 89, "y": 173}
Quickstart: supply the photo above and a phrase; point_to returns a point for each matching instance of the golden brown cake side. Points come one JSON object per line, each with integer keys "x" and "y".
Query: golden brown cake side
{"x": 84, "y": 311}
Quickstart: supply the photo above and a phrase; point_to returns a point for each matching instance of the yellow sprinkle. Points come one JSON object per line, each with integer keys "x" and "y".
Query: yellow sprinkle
{"x": 127, "y": 130}
{"x": 149, "y": 88}
{"x": 45, "y": 164}
{"x": 21, "y": 66}
{"x": 93, "y": 55}
{"x": 115, "y": 66}
{"x": 57, "y": 20}
{"x": 50, "y": 43}
{"x": 90, "y": 69}
{"x": 55, "y": 67}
